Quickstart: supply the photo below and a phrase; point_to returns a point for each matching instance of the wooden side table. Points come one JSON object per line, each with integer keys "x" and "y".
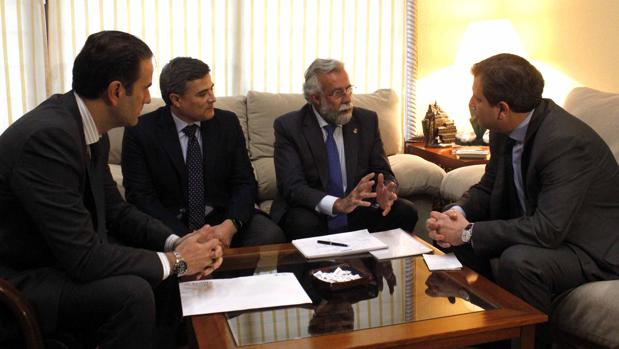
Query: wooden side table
{"x": 444, "y": 157}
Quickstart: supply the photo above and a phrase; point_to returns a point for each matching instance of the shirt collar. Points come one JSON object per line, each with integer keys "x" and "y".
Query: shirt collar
{"x": 519, "y": 133}
{"x": 180, "y": 124}
{"x": 91, "y": 134}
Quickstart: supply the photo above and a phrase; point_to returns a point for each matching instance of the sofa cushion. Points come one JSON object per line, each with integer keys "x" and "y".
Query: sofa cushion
{"x": 459, "y": 180}
{"x": 416, "y": 175}
{"x": 600, "y": 110}
{"x": 264, "y": 169}
{"x": 590, "y": 312}
{"x": 263, "y": 108}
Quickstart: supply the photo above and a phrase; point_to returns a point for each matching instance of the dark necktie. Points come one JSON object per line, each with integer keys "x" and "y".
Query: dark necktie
{"x": 195, "y": 180}
{"x": 335, "y": 187}
{"x": 511, "y": 203}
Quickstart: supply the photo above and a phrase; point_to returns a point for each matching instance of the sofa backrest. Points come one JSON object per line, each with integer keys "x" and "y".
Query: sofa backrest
{"x": 598, "y": 109}
{"x": 258, "y": 110}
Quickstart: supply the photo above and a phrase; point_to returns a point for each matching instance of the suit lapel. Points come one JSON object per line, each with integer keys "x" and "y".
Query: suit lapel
{"x": 169, "y": 141}
{"x": 315, "y": 140}
{"x": 210, "y": 140}
{"x": 351, "y": 132}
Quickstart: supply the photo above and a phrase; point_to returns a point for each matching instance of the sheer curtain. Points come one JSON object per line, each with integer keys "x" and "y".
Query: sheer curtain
{"x": 23, "y": 54}
{"x": 262, "y": 45}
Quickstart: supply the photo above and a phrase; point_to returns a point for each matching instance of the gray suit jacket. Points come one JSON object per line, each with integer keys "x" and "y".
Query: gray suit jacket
{"x": 301, "y": 164}
{"x": 58, "y": 211}
{"x": 571, "y": 183}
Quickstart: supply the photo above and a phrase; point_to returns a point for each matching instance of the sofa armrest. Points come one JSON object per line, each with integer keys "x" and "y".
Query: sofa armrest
{"x": 458, "y": 181}
{"x": 416, "y": 175}
{"x": 117, "y": 175}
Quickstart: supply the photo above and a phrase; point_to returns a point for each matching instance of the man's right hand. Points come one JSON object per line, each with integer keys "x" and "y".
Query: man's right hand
{"x": 202, "y": 254}
{"x": 357, "y": 196}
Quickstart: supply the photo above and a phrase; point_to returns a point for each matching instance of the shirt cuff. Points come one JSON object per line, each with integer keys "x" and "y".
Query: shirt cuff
{"x": 459, "y": 209}
{"x": 325, "y": 206}
{"x": 169, "y": 243}
{"x": 165, "y": 264}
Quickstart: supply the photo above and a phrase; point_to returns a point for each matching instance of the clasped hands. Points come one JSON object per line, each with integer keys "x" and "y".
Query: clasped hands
{"x": 202, "y": 249}
{"x": 385, "y": 195}
{"x": 446, "y": 227}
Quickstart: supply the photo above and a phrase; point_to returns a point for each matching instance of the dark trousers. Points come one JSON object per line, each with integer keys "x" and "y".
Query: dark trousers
{"x": 534, "y": 274}
{"x": 116, "y": 312}
{"x": 300, "y": 222}
{"x": 260, "y": 230}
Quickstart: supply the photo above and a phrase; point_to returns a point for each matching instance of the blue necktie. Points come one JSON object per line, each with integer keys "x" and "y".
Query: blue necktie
{"x": 339, "y": 223}
{"x": 195, "y": 180}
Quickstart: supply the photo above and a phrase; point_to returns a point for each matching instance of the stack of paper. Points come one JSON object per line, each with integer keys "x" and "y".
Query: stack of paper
{"x": 400, "y": 244}
{"x": 247, "y": 292}
{"x": 338, "y": 244}
{"x": 471, "y": 153}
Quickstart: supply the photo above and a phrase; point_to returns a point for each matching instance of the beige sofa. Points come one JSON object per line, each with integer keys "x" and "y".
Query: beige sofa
{"x": 419, "y": 180}
{"x": 588, "y": 316}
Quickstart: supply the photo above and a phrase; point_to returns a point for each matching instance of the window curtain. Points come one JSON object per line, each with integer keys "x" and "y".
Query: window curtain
{"x": 263, "y": 45}
{"x": 23, "y": 54}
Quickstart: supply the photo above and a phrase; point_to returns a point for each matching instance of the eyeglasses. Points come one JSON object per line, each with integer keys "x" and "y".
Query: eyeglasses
{"x": 341, "y": 92}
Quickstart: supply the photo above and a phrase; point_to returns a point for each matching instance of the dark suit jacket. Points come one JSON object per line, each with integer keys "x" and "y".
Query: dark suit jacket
{"x": 301, "y": 164}
{"x": 155, "y": 176}
{"x": 571, "y": 182}
{"x": 57, "y": 210}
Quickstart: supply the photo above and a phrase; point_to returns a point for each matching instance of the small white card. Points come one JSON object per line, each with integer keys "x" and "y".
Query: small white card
{"x": 400, "y": 243}
{"x": 442, "y": 262}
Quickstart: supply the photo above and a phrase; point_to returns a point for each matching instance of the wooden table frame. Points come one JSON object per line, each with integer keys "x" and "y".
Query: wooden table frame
{"x": 512, "y": 319}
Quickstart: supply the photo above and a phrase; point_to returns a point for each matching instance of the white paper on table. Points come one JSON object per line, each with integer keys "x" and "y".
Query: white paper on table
{"x": 358, "y": 241}
{"x": 400, "y": 244}
{"x": 241, "y": 293}
{"x": 442, "y": 262}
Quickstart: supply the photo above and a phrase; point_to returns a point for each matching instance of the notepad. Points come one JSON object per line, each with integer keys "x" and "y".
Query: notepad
{"x": 442, "y": 262}
{"x": 358, "y": 241}
{"x": 400, "y": 244}
{"x": 471, "y": 153}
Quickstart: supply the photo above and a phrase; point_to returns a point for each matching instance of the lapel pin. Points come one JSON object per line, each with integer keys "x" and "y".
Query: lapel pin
{"x": 354, "y": 130}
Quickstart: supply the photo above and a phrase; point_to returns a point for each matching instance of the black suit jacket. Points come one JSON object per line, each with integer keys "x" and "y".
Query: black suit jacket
{"x": 155, "y": 176}
{"x": 301, "y": 164}
{"x": 57, "y": 210}
{"x": 571, "y": 184}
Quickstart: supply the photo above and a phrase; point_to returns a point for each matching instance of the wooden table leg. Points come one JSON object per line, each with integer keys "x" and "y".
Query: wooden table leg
{"x": 527, "y": 337}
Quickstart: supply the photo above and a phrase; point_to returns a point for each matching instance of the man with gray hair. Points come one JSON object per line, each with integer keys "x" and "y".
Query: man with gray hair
{"x": 332, "y": 171}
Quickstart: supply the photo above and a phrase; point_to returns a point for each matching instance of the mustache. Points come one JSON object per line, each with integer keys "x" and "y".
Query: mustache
{"x": 345, "y": 107}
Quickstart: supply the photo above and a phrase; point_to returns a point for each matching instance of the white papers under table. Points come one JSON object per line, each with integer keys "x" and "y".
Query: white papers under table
{"x": 400, "y": 243}
{"x": 358, "y": 241}
{"x": 241, "y": 293}
{"x": 442, "y": 262}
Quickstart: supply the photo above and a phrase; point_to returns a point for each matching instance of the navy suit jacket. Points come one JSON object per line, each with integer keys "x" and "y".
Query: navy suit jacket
{"x": 155, "y": 175}
{"x": 58, "y": 210}
{"x": 571, "y": 185}
{"x": 301, "y": 164}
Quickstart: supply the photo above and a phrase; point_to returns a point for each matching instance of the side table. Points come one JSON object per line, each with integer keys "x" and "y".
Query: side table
{"x": 444, "y": 157}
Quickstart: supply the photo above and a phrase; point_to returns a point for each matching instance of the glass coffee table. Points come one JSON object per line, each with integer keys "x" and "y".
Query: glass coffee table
{"x": 400, "y": 303}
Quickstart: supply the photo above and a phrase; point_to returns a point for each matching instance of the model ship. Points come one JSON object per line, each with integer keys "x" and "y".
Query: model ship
{"x": 438, "y": 129}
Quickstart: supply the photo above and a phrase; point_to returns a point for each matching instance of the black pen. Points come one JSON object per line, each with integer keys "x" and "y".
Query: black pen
{"x": 324, "y": 242}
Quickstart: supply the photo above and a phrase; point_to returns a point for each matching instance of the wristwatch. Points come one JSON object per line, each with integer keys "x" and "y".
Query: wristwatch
{"x": 467, "y": 233}
{"x": 180, "y": 266}
{"x": 238, "y": 224}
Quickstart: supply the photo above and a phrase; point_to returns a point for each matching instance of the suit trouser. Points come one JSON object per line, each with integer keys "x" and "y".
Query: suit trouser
{"x": 301, "y": 222}
{"x": 534, "y": 274}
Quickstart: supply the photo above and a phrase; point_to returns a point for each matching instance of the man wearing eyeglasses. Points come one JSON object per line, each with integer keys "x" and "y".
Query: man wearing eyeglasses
{"x": 331, "y": 168}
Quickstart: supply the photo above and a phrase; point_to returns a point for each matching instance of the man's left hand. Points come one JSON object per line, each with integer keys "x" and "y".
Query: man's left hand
{"x": 222, "y": 232}
{"x": 385, "y": 194}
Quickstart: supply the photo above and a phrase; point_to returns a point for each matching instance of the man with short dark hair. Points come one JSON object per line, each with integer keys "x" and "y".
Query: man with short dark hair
{"x": 61, "y": 209}
{"x": 547, "y": 205}
{"x": 202, "y": 176}
{"x": 332, "y": 171}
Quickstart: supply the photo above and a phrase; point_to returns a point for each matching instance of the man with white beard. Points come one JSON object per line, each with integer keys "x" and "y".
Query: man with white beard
{"x": 331, "y": 168}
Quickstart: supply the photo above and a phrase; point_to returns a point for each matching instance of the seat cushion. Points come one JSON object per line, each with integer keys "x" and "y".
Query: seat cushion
{"x": 590, "y": 312}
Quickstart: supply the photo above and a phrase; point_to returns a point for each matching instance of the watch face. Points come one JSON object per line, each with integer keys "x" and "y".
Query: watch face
{"x": 180, "y": 268}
